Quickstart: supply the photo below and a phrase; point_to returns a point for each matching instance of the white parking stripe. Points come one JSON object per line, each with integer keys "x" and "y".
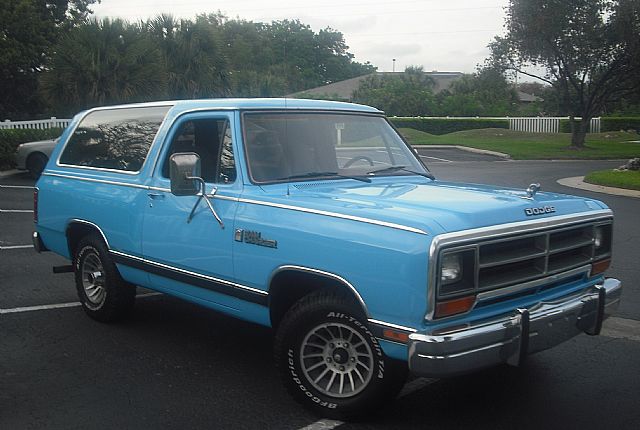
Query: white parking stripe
{"x": 323, "y": 425}
{"x": 39, "y": 308}
{"x": 621, "y": 328}
{"x": 16, "y": 211}
{"x": 17, "y": 186}
{"x": 411, "y": 387}
{"x": 3, "y": 248}
{"x": 59, "y": 305}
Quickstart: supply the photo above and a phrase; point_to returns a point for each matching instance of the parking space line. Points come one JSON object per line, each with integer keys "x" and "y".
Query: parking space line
{"x": 323, "y": 425}
{"x": 411, "y": 387}
{"x": 59, "y": 305}
{"x": 16, "y": 211}
{"x": 4, "y": 248}
{"x": 17, "y": 186}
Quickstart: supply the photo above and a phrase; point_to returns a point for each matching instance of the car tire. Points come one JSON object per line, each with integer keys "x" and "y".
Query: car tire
{"x": 104, "y": 295}
{"x": 36, "y": 164}
{"x": 330, "y": 361}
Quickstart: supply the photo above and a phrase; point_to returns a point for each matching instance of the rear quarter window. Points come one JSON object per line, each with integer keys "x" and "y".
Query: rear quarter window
{"x": 117, "y": 139}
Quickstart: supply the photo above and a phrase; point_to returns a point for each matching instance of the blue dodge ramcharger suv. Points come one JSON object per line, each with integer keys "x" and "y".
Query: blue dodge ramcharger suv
{"x": 317, "y": 219}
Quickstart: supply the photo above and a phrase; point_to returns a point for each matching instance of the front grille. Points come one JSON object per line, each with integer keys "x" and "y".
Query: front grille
{"x": 526, "y": 257}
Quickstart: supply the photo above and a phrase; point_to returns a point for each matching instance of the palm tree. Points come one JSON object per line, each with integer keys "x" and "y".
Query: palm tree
{"x": 192, "y": 55}
{"x": 104, "y": 62}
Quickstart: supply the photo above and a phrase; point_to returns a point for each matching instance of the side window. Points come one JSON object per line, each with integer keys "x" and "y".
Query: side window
{"x": 211, "y": 139}
{"x": 114, "y": 139}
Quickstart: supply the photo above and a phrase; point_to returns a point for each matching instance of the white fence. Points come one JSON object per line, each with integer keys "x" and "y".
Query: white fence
{"x": 536, "y": 124}
{"x": 38, "y": 124}
{"x": 546, "y": 124}
{"x": 531, "y": 124}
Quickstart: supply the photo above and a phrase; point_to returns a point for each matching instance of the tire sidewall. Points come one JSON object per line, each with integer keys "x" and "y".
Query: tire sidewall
{"x": 85, "y": 250}
{"x": 302, "y": 388}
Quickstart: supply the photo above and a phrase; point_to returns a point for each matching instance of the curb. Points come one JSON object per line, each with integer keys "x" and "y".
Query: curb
{"x": 466, "y": 148}
{"x": 578, "y": 182}
{"x": 5, "y": 173}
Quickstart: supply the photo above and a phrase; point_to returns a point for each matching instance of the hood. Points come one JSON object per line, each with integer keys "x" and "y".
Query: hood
{"x": 436, "y": 206}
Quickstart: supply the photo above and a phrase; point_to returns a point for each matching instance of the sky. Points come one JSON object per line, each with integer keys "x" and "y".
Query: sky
{"x": 443, "y": 35}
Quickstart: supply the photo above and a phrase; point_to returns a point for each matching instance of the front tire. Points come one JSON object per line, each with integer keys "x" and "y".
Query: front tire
{"x": 104, "y": 295}
{"x": 330, "y": 361}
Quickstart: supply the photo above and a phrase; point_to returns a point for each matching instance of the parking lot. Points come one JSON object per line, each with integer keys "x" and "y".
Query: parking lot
{"x": 175, "y": 365}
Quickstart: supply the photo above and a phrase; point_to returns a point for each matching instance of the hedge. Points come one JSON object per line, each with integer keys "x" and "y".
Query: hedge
{"x": 447, "y": 125}
{"x": 11, "y": 138}
{"x": 620, "y": 123}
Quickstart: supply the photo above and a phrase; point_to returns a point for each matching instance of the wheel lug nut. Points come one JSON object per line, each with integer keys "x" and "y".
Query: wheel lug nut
{"x": 331, "y": 346}
{"x": 346, "y": 345}
{"x": 353, "y": 359}
{"x": 342, "y": 368}
{"x": 328, "y": 359}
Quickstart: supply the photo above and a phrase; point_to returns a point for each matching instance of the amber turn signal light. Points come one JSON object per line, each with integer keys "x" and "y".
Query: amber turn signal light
{"x": 455, "y": 306}
{"x": 600, "y": 266}
{"x": 396, "y": 336}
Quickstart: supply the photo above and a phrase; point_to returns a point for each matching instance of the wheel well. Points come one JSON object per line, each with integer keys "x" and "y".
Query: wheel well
{"x": 289, "y": 286}
{"x": 76, "y": 231}
{"x": 34, "y": 154}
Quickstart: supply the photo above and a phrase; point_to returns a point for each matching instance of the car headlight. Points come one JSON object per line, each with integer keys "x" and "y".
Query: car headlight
{"x": 457, "y": 272}
{"x": 451, "y": 269}
{"x": 602, "y": 240}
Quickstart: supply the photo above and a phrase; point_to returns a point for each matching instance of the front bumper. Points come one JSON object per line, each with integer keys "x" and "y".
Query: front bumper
{"x": 509, "y": 338}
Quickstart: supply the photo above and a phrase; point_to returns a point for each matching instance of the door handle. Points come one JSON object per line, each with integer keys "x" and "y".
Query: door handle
{"x": 156, "y": 196}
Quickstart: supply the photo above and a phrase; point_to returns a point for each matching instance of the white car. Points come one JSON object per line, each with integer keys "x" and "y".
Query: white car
{"x": 33, "y": 156}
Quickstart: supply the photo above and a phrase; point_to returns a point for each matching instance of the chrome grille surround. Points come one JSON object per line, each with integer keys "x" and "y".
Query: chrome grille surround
{"x": 517, "y": 256}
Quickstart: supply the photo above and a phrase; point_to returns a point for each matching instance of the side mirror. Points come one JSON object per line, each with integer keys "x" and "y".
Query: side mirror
{"x": 184, "y": 165}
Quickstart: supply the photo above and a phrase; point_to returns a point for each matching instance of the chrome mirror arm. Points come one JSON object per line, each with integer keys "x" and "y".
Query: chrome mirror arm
{"x": 203, "y": 195}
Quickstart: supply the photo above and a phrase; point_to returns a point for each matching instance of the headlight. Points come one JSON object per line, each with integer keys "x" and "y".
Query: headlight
{"x": 602, "y": 240}
{"x": 598, "y": 237}
{"x": 457, "y": 272}
{"x": 451, "y": 270}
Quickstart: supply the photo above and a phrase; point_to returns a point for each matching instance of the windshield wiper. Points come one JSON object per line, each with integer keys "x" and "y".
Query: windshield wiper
{"x": 403, "y": 168}
{"x": 325, "y": 174}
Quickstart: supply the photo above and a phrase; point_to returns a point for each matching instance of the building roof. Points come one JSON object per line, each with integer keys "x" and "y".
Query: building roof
{"x": 343, "y": 90}
{"x": 528, "y": 98}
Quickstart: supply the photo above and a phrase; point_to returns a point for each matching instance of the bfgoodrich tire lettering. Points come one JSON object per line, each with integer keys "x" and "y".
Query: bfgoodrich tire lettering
{"x": 104, "y": 295}
{"x": 330, "y": 361}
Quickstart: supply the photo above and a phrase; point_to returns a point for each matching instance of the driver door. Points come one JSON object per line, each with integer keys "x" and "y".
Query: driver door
{"x": 193, "y": 259}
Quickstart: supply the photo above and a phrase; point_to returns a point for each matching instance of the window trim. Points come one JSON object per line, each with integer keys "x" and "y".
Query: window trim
{"x": 99, "y": 109}
{"x": 311, "y": 111}
{"x": 225, "y": 113}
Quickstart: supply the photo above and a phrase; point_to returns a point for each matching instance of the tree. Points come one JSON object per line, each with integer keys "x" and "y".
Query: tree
{"x": 401, "y": 94}
{"x": 192, "y": 56}
{"x": 28, "y": 30}
{"x": 589, "y": 51}
{"x": 484, "y": 93}
{"x": 104, "y": 62}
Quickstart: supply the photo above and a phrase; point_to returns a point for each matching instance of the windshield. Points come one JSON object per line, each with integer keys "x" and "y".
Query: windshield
{"x": 309, "y": 146}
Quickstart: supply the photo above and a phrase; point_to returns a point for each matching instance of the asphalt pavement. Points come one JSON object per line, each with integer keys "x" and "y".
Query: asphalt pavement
{"x": 175, "y": 365}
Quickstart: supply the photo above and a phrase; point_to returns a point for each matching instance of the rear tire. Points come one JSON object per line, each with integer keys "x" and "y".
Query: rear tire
{"x": 329, "y": 360}
{"x": 104, "y": 295}
{"x": 36, "y": 164}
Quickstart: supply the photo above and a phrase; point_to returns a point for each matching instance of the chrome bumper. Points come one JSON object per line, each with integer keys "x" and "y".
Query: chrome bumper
{"x": 508, "y": 339}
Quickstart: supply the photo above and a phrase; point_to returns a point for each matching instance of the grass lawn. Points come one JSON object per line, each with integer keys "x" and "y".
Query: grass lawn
{"x": 534, "y": 146}
{"x": 628, "y": 179}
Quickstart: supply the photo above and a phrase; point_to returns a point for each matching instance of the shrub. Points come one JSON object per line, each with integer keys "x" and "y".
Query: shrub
{"x": 447, "y": 125}
{"x": 11, "y": 138}
{"x": 608, "y": 123}
{"x": 620, "y": 123}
